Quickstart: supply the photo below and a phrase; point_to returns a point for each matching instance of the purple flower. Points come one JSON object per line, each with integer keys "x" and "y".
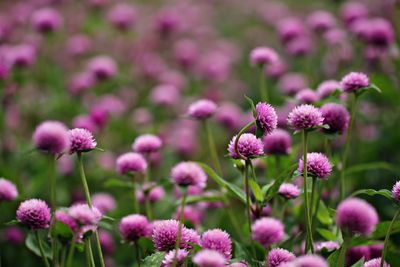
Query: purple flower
{"x": 209, "y": 258}
{"x": 22, "y": 56}
{"x": 81, "y": 82}
{"x": 46, "y": 20}
{"x": 289, "y": 191}
{"x": 267, "y": 231}
{"x": 107, "y": 242}
{"x": 307, "y": 96}
{"x": 354, "y": 254}
{"x": 65, "y": 218}
{"x": 336, "y": 117}
{"x": 229, "y": 115}
{"x": 81, "y": 140}
{"x": 238, "y": 264}
{"x": 321, "y": 21}
{"x": 380, "y": 33}
{"x": 133, "y": 227}
{"x": 375, "y": 263}
{"x": 131, "y": 162}
{"x": 305, "y": 117}
{"x": 318, "y": 165}
{"x": 122, "y": 16}
{"x": 154, "y": 193}
{"x": 14, "y": 235}
{"x": 191, "y": 214}
{"x": 356, "y": 216}
{"x": 166, "y": 95}
{"x": 248, "y": 146}
{"x": 218, "y": 240}
{"x": 51, "y": 137}
{"x": 104, "y": 202}
{"x": 186, "y": 52}
{"x": 85, "y": 215}
{"x": 263, "y": 56}
{"x": 147, "y": 143}
{"x": 102, "y": 67}
{"x": 279, "y": 142}
{"x": 326, "y": 88}
{"x": 202, "y": 109}
{"x": 328, "y": 245}
{"x": 34, "y": 213}
{"x": 289, "y": 29}
{"x": 8, "y": 191}
{"x": 180, "y": 258}
{"x": 354, "y": 81}
{"x": 78, "y": 45}
{"x": 188, "y": 174}
{"x": 291, "y": 83}
{"x": 375, "y": 250}
{"x": 266, "y": 117}
{"x": 279, "y": 255}
{"x": 308, "y": 261}
{"x": 396, "y": 191}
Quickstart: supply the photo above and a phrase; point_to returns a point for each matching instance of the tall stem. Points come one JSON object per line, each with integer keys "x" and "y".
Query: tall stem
{"x": 89, "y": 254}
{"x": 313, "y": 192}
{"x": 137, "y": 252}
{"x": 179, "y": 234}
{"x": 148, "y": 206}
{"x": 53, "y": 204}
{"x": 39, "y": 241}
{"x": 342, "y": 254}
{"x": 212, "y": 147}
{"x": 309, "y": 239}
{"x": 248, "y": 202}
{"x": 242, "y": 131}
{"x": 347, "y": 147}
{"x": 263, "y": 85}
{"x": 135, "y": 200}
{"x": 386, "y": 244}
{"x": 71, "y": 252}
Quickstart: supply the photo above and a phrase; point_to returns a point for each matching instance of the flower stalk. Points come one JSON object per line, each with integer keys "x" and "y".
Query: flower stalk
{"x": 180, "y": 225}
{"x": 386, "y": 243}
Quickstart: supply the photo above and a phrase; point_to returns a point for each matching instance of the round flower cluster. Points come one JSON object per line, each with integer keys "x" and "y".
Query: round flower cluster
{"x": 289, "y": 191}
{"x": 218, "y": 240}
{"x": 209, "y": 258}
{"x": 266, "y": 117}
{"x": 262, "y": 56}
{"x": 8, "y": 191}
{"x": 51, "y": 137}
{"x": 147, "y": 143}
{"x": 188, "y": 174}
{"x": 267, "y": 231}
{"x": 81, "y": 140}
{"x": 336, "y": 117}
{"x": 279, "y": 142}
{"x": 248, "y": 146}
{"x": 133, "y": 227}
{"x": 318, "y": 165}
{"x": 277, "y": 256}
{"x": 305, "y": 117}
{"x": 354, "y": 81}
{"x": 202, "y": 109}
{"x": 34, "y": 213}
{"x": 131, "y": 162}
{"x": 168, "y": 260}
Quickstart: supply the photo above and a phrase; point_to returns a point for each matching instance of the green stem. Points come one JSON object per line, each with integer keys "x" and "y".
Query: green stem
{"x": 313, "y": 192}
{"x": 342, "y": 254}
{"x": 232, "y": 218}
{"x": 39, "y": 241}
{"x": 135, "y": 201}
{"x": 99, "y": 250}
{"x": 89, "y": 254}
{"x": 248, "y": 203}
{"x": 212, "y": 147}
{"x": 137, "y": 252}
{"x": 309, "y": 239}
{"x": 386, "y": 244}
{"x": 148, "y": 207}
{"x": 263, "y": 85}
{"x": 347, "y": 147}
{"x": 52, "y": 177}
{"x": 63, "y": 255}
{"x": 266, "y": 256}
{"x": 179, "y": 234}
{"x": 71, "y": 252}
{"x": 242, "y": 131}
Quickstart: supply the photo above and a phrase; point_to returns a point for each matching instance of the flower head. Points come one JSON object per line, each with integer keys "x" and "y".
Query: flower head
{"x": 354, "y": 81}
{"x": 318, "y": 165}
{"x": 46, "y": 20}
{"x": 309, "y": 260}
{"x": 279, "y": 255}
{"x": 307, "y": 96}
{"x": 122, "y": 16}
{"x": 289, "y": 191}
{"x": 133, "y": 227}
{"x": 191, "y": 214}
{"x": 169, "y": 258}
{"x": 8, "y": 191}
{"x": 188, "y": 173}
{"x": 329, "y": 245}
{"x": 218, "y": 240}
{"x": 131, "y": 162}
{"x": 305, "y": 117}
{"x": 266, "y": 117}
{"x": 51, "y": 137}
{"x": 107, "y": 242}
{"x": 248, "y": 146}
{"x": 279, "y": 142}
{"x": 291, "y": 83}
{"x": 85, "y": 215}
{"x": 209, "y": 258}
{"x": 102, "y": 67}
{"x": 81, "y": 140}
{"x": 356, "y": 216}
{"x": 375, "y": 263}
{"x": 267, "y": 231}
{"x": 34, "y": 213}
{"x": 262, "y": 56}
{"x": 104, "y": 202}
{"x": 326, "y": 88}
{"x": 396, "y": 191}
{"x": 336, "y": 117}
{"x": 147, "y": 143}
{"x": 202, "y": 109}
{"x": 65, "y": 218}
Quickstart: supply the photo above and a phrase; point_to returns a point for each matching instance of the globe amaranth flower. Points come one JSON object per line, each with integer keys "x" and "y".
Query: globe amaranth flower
{"x": 14, "y": 235}
{"x": 279, "y": 142}
{"x": 327, "y": 88}
{"x": 307, "y": 96}
{"x": 291, "y": 83}
{"x": 218, "y": 240}
{"x": 266, "y": 117}
{"x": 8, "y": 191}
{"x": 209, "y": 258}
{"x": 169, "y": 258}
{"x": 46, "y": 20}
{"x": 354, "y": 81}
{"x": 336, "y": 117}
{"x": 131, "y": 162}
{"x": 133, "y": 227}
{"x": 289, "y": 191}
{"x": 305, "y": 117}
{"x": 328, "y": 245}
{"x": 147, "y": 143}
{"x": 102, "y": 67}
{"x": 104, "y": 202}
{"x": 307, "y": 260}
{"x": 122, "y": 16}
{"x": 318, "y": 165}
{"x": 354, "y": 254}
{"x": 81, "y": 140}
{"x": 202, "y": 109}
{"x": 188, "y": 174}
{"x": 154, "y": 193}
{"x": 267, "y": 231}
{"x": 375, "y": 250}
{"x": 248, "y": 146}
{"x": 262, "y": 56}
{"x": 356, "y": 216}
{"x": 51, "y": 137}
{"x": 107, "y": 242}
{"x": 238, "y": 264}
{"x": 34, "y": 213}
{"x": 85, "y": 215}
{"x": 63, "y": 217}
{"x": 396, "y": 191}
{"x": 278, "y": 256}
{"x": 192, "y": 214}
{"x": 375, "y": 263}
{"x": 321, "y": 21}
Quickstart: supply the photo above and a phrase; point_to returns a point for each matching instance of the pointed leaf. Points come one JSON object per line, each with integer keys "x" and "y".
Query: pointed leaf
{"x": 273, "y": 190}
{"x": 206, "y": 198}
{"x": 259, "y": 131}
{"x": 371, "y": 192}
{"x": 154, "y": 259}
{"x": 323, "y": 214}
{"x": 371, "y": 166}
{"x": 359, "y": 263}
{"x": 252, "y": 106}
{"x": 256, "y": 190}
{"x": 326, "y": 234}
{"x": 32, "y": 245}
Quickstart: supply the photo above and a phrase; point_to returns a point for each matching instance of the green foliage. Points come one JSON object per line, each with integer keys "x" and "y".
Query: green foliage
{"x": 32, "y": 245}
{"x": 154, "y": 259}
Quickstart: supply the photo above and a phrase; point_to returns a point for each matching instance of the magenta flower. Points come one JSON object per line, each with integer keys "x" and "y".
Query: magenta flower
{"x": 81, "y": 82}
{"x": 305, "y": 117}
{"x": 309, "y": 260}
{"x": 263, "y": 56}
{"x": 147, "y": 143}
{"x": 356, "y": 216}
{"x": 321, "y": 21}
{"x": 8, "y": 191}
{"x": 34, "y": 213}
{"x": 375, "y": 263}
{"x": 165, "y": 95}
{"x": 14, "y": 235}
{"x": 107, "y": 242}
{"x": 133, "y": 227}
{"x": 131, "y": 162}
{"x": 104, "y": 202}
{"x": 279, "y": 142}
{"x": 218, "y": 240}
{"x": 278, "y": 256}
{"x": 81, "y": 140}
{"x": 336, "y": 117}
{"x": 46, "y": 20}
{"x": 354, "y": 81}
{"x": 65, "y": 218}
{"x": 353, "y": 11}
{"x": 396, "y": 191}
{"x": 354, "y": 254}
{"x": 229, "y": 115}
{"x": 85, "y": 215}
{"x": 327, "y": 88}
{"x": 291, "y": 83}
{"x": 180, "y": 258}
{"x": 155, "y": 194}
{"x": 266, "y": 117}
{"x": 51, "y": 137}
{"x": 188, "y": 174}
{"x": 307, "y": 96}
{"x": 328, "y": 245}
{"x": 318, "y": 165}
{"x": 122, "y": 16}
{"x": 102, "y": 67}
{"x": 381, "y": 33}
{"x": 191, "y": 214}
{"x": 248, "y": 146}
{"x": 267, "y": 231}
{"x": 186, "y": 52}
{"x": 289, "y": 191}
{"x": 209, "y": 258}
{"x": 202, "y": 109}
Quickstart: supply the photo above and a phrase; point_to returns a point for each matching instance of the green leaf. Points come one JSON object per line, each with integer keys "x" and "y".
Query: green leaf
{"x": 241, "y": 252}
{"x": 117, "y": 183}
{"x": 380, "y": 232}
{"x": 371, "y": 192}
{"x": 236, "y": 191}
{"x": 326, "y": 234}
{"x": 368, "y": 88}
{"x": 371, "y": 166}
{"x": 107, "y": 218}
{"x": 206, "y": 198}
{"x": 333, "y": 258}
{"x": 12, "y": 222}
{"x": 323, "y": 214}
{"x": 359, "y": 263}
{"x": 273, "y": 190}
{"x": 62, "y": 231}
{"x": 259, "y": 130}
{"x": 256, "y": 190}
{"x": 154, "y": 259}
{"x": 32, "y": 245}
{"x": 252, "y": 106}
{"x": 266, "y": 187}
